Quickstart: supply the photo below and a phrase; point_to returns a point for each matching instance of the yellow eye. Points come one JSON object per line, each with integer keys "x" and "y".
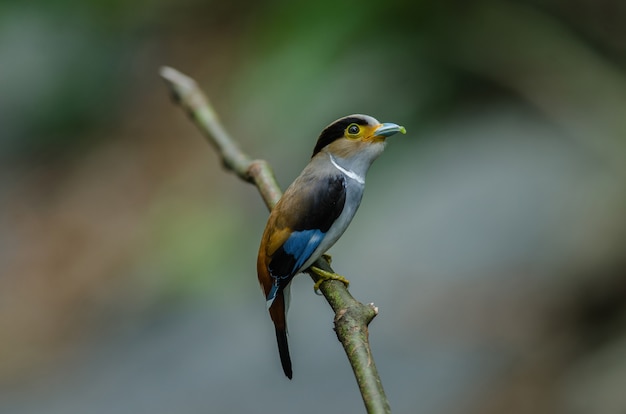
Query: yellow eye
{"x": 353, "y": 129}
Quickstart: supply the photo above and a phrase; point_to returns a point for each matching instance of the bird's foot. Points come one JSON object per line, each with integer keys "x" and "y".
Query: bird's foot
{"x": 328, "y": 258}
{"x": 324, "y": 276}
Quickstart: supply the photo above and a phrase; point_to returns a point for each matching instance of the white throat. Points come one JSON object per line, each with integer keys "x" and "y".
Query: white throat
{"x": 348, "y": 173}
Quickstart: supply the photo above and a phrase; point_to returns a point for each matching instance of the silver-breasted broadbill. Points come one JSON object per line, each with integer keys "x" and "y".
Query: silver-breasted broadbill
{"x": 315, "y": 210}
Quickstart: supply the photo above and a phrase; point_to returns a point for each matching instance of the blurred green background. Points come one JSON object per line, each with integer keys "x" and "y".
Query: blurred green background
{"x": 492, "y": 236}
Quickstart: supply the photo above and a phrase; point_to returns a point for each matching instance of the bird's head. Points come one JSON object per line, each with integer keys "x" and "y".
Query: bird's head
{"x": 356, "y": 136}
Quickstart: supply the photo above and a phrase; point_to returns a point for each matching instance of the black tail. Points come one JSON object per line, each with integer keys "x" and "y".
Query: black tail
{"x": 279, "y": 317}
{"x": 283, "y": 350}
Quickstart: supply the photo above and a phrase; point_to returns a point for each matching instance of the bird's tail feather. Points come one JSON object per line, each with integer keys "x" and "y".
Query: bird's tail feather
{"x": 283, "y": 350}
{"x": 277, "y": 312}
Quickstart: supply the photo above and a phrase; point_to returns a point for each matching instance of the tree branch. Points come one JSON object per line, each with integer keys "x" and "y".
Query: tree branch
{"x": 351, "y": 317}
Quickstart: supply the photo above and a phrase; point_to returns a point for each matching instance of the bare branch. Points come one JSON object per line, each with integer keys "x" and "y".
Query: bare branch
{"x": 351, "y": 316}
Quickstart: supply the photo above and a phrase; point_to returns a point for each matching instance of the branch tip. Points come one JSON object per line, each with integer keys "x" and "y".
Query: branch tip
{"x": 173, "y": 76}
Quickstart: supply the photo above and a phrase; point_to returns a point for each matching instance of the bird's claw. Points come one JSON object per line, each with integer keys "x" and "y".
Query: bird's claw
{"x": 324, "y": 276}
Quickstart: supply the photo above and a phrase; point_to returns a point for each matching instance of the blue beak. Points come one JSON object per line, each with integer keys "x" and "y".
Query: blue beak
{"x": 388, "y": 129}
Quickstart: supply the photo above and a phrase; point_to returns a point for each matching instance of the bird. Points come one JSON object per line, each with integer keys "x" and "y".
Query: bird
{"x": 314, "y": 212}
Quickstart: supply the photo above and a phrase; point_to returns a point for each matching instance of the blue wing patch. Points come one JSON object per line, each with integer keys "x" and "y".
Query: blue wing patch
{"x": 301, "y": 245}
{"x": 272, "y": 295}
{"x": 291, "y": 256}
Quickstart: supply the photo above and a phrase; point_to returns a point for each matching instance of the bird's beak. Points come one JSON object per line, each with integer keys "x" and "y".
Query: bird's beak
{"x": 388, "y": 129}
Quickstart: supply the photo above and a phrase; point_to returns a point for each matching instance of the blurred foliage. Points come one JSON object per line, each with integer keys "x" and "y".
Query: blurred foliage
{"x": 189, "y": 242}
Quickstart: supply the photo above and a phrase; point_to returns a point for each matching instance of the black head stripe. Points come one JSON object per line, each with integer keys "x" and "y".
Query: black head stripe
{"x": 335, "y": 131}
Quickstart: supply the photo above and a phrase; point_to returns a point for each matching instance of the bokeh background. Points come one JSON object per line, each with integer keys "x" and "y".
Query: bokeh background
{"x": 492, "y": 236}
